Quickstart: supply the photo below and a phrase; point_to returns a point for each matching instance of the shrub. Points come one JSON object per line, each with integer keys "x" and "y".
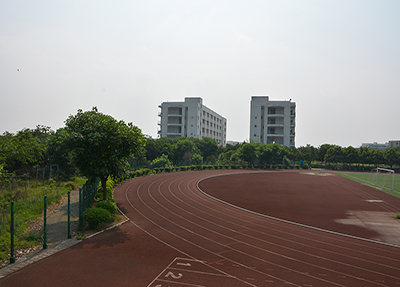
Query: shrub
{"x": 96, "y": 215}
{"x": 107, "y": 205}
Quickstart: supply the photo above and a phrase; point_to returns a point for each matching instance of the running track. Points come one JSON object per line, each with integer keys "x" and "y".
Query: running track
{"x": 178, "y": 236}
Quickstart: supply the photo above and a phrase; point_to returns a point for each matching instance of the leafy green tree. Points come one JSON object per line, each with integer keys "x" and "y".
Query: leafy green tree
{"x": 265, "y": 153}
{"x": 3, "y": 172}
{"x": 376, "y": 156}
{"x": 99, "y": 145}
{"x": 58, "y": 153}
{"x": 185, "y": 148}
{"x": 322, "y": 150}
{"x": 277, "y": 157}
{"x": 161, "y": 161}
{"x": 207, "y": 148}
{"x": 364, "y": 155}
{"x": 391, "y": 157}
{"x": 24, "y": 150}
{"x": 248, "y": 152}
{"x": 157, "y": 147}
{"x": 308, "y": 153}
{"x": 350, "y": 155}
{"x": 197, "y": 159}
{"x": 334, "y": 154}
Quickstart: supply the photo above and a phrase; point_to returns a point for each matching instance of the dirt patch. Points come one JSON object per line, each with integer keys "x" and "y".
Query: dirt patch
{"x": 381, "y": 222}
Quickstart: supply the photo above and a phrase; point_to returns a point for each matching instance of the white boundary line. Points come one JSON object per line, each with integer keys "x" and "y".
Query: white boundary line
{"x": 284, "y": 220}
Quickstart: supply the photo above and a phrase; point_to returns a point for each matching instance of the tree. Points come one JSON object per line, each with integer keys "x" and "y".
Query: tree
{"x": 265, "y": 154}
{"x": 308, "y": 153}
{"x": 322, "y": 150}
{"x": 376, "y": 157}
{"x": 247, "y": 152}
{"x": 24, "y": 150}
{"x": 57, "y": 153}
{"x": 184, "y": 150}
{"x": 334, "y": 154}
{"x": 99, "y": 145}
{"x": 364, "y": 155}
{"x": 391, "y": 156}
{"x": 208, "y": 148}
{"x": 350, "y": 155}
{"x": 197, "y": 159}
{"x": 161, "y": 161}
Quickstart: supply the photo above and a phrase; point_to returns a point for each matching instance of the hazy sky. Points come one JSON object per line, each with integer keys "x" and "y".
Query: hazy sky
{"x": 338, "y": 60}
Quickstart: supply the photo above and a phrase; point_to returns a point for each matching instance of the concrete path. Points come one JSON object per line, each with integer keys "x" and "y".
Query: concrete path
{"x": 57, "y": 222}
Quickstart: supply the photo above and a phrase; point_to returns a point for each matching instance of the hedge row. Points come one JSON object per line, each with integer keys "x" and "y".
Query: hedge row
{"x": 147, "y": 171}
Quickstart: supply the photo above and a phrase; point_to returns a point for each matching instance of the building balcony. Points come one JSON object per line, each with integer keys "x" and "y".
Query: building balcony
{"x": 276, "y": 113}
{"x": 172, "y": 133}
{"x": 276, "y": 124}
{"x": 279, "y": 134}
{"x": 174, "y": 123}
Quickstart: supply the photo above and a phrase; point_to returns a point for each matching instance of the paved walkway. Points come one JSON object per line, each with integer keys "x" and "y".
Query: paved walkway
{"x": 57, "y": 234}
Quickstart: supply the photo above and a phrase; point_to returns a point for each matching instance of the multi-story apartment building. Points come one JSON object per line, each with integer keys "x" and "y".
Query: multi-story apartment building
{"x": 272, "y": 121}
{"x": 191, "y": 119}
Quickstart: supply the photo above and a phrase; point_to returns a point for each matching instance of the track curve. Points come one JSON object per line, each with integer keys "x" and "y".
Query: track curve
{"x": 178, "y": 236}
{"x": 239, "y": 248}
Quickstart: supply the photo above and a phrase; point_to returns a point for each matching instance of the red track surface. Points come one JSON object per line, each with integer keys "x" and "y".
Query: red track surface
{"x": 178, "y": 236}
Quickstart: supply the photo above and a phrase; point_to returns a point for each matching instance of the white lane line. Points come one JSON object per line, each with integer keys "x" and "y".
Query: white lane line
{"x": 175, "y": 235}
{"x": 222, "y": 245}
{"x": 294, "y": 250}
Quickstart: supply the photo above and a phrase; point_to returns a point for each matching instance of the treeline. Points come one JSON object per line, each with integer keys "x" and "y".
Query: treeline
{"x": 31, "y": 150}
{"x": 28, "y": 150}
{"x": 195, "y": 151}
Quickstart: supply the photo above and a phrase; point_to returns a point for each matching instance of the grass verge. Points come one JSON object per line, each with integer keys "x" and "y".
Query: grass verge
{"x": 362, "y": 177}
{"x": 28, "y": 206}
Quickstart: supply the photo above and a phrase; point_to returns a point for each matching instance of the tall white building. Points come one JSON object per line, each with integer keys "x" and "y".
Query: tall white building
{"x": 191, "y": 119}
{"x": 272, "y": 121}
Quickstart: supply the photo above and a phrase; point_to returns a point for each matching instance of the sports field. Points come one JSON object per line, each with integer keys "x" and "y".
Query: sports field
{"x": 362, "y": 177}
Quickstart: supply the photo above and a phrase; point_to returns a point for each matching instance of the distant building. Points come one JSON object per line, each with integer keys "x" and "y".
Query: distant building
{"x": 272, "y": 121}
{"x": 382, "y": 146}
{"x": 375, "y": 145}
{"x": 394, "y": 143}
{"x": 191, "y": 119}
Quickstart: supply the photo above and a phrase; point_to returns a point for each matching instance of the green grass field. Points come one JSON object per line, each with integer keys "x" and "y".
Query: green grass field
{"x": 362, "y": 177}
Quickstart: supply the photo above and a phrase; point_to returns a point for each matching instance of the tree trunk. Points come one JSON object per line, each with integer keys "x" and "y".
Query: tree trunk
{"x": 104, "y": 187}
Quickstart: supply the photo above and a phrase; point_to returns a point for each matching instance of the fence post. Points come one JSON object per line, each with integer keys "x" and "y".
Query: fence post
{"x": 80, "y": 208}
{"x": 69, "y": 214}
{"x": 12, "y": 258}
{"x": 50, "y": 172}
{"x": 44, "y": 223}
{"x": 57, "y": 172}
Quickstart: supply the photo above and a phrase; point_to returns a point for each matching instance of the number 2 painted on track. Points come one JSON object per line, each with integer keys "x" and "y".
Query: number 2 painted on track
{"x": 179, "y": 276}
